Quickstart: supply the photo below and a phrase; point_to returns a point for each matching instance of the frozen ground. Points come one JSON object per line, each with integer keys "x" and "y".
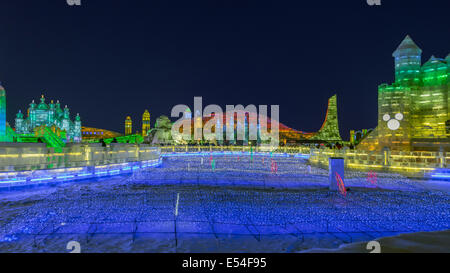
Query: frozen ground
{"x": 420, "y": 242}
{"x": 233, "y": 204}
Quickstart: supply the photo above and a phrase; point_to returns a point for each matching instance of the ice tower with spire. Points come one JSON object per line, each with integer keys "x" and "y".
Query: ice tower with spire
{"x": 3, "y": 136}
{"x": 407, "y": 59}
{"x": 413, "y": 112}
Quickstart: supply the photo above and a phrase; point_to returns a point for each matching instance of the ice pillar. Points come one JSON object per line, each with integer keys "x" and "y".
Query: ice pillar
{"x": 2, "y": 113}
{"x": 336, "y": 172}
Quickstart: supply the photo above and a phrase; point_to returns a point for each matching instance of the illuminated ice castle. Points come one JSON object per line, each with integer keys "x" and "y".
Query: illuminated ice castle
{"x": 413, "y": 112}
{"x": 52, "y": 116}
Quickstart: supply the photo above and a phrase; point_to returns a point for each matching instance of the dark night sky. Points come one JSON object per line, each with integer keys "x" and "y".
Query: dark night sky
{"x": 109, "y": 59}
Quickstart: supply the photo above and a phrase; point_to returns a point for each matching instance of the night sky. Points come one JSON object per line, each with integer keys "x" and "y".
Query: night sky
{"x": 110, "y": 59}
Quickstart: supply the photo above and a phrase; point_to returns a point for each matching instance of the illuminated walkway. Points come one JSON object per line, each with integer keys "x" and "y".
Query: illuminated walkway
{"x": 238, "y": 206}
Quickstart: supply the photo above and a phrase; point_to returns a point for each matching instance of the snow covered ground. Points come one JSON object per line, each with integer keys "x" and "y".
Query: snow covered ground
{"x": 225, "y": 204}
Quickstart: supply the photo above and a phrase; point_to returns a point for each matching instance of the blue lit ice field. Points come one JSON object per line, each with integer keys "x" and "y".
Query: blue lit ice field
{"x": 236, "y": 204}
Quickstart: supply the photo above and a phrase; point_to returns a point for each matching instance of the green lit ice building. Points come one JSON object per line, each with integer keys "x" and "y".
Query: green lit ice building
{"x": 413, "y": 112}
{"x": 52, "y": 116}
{"x": 3, "y": 125}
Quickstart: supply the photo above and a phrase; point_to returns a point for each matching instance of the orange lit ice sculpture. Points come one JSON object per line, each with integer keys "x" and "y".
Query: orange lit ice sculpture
{"x": 51, "y": 116}
{"x": 414, "y": 110}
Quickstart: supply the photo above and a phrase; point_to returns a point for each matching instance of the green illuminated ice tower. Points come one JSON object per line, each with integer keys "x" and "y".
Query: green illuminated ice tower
{"x": 394, "y": 101}
{"x": 447, "y": 123}
{"x": 3, "y": 136}
{"x": 413, "y": 112}
{"x": 407, "y": 63}
{"x": 430, "y": 101}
